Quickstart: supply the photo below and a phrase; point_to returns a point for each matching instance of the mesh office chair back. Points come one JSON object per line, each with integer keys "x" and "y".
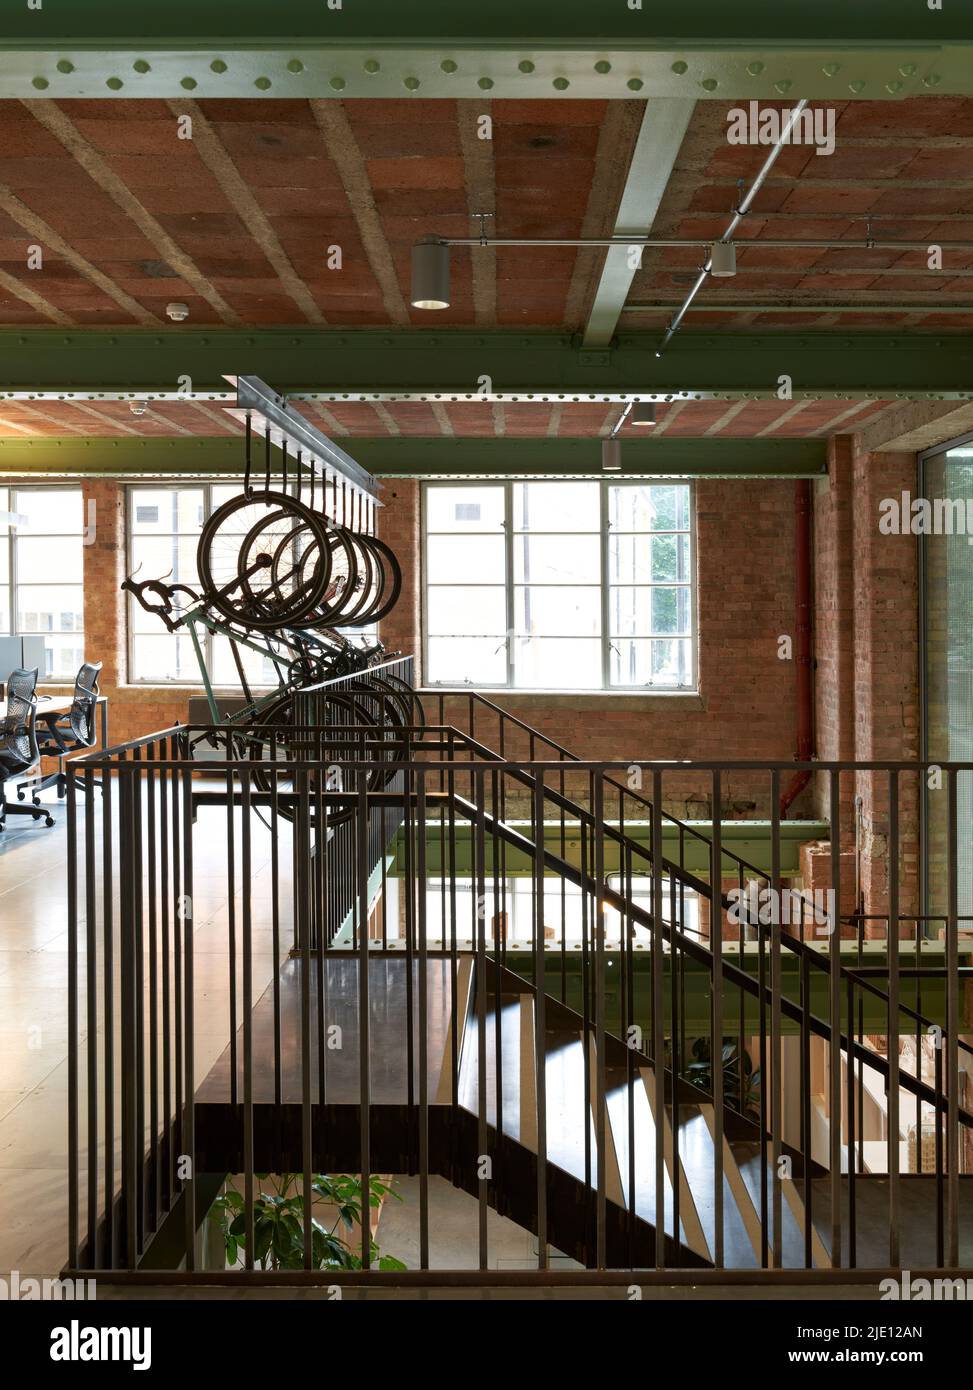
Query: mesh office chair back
{"x": 19, "y": 743}
{"x": 82, "y": 713}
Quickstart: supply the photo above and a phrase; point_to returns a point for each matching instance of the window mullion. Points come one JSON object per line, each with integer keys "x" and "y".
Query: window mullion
{"x": 508, "y": 531}
{"x": 605, "y": 605}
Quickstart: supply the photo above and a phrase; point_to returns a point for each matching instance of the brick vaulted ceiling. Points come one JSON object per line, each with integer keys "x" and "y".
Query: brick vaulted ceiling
{"x": 236, "y": 223}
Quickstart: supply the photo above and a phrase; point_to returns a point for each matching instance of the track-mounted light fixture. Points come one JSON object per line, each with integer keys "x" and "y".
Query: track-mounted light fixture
{"x": 643, "y": 414}
{"x": 611, "y": 455}
{"x": 724, "y": 260}
{"x": 430, "y": 274}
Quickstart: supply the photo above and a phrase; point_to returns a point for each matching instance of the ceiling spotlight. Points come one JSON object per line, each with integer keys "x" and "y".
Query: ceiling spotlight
{"x": 177, "y": 312}
{"x": 611, "y": 455}
{"x": 430, "y": 274}
{"x": 723, "y": 261}
{"x": 137, "y": 407}
{"x": 643, "y": 413}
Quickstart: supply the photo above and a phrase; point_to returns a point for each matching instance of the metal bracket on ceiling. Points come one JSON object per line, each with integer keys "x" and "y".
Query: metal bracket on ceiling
{"x": 270, "y": 415}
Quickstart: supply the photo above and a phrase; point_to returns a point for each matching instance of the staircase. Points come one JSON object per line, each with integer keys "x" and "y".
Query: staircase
{"x": 544, "y": 1069}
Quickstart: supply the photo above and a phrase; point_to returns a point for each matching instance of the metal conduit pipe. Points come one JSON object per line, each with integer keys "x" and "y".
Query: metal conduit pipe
{"x": 802, "y": 646}
{"x": 741, "y": 212}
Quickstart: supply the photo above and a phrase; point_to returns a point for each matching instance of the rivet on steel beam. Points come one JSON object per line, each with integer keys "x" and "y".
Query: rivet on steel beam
{"x": 263, "y": 83}
{"x": 410, "y": 83}
{"x": 372, "y": 65}
{"x": 217, "y": 65}
{"x": 561, "y": 84}
{"x": 40, "y": 83}
{"x": 635, "y": 84}
{"x": 140, "y": 65}
{"x": 485, "y": 83}
{"x": 525, "y": 65}
{"x": 894, "y": 86}
{"x": 295, "y": 65}
{"x": 933, "y": 79}
{"x": 65, "y": 65}
{"x": 709, "y": 84}
{"x": 755, "y": 68}
{"x": 448, "y": 65}
{"x": 908, "y": 69}
{"x": 603, "y": 65}
{"x": 188, "y": 82}
{"x": 857, "y": 86}
{"x": 831, "y": 69}
{"x": 338, "y": 84}
{"x": 783, "y": 86}
{"x": 680, "y": 67}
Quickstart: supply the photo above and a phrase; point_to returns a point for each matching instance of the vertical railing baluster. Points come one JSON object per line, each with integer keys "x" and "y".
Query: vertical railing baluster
{"x": 423, "y": 967}
{"x": 74, "y": 1032}
{"x": 540, "y": 1017}
{"x": 892, "y": 955}
{"x": 601, "y": 1099}
{"x": 953, "y": 1021}
{"x": 189, "y": 1014}
{"x": 716, "y": 1015}
{"x": 834, "y": 1015}
{"x": 658, "y": 1032}
{"x": 91, "y": 976}
{"x": 776, "y": 1059}
{"x": 247, "y": 1001}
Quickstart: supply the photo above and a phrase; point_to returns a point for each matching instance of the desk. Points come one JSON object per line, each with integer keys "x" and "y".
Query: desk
{"x": 60, "y": 704}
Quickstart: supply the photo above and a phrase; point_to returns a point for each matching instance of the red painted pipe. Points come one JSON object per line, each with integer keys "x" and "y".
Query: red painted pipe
{"x": 802, "y": 645}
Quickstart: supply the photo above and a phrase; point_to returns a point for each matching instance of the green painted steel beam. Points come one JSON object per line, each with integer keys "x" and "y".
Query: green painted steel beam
{"x": 428, "y": 458}
{"x": 327, "y": 364}
{"x": 749, "y": 840}
{"x": 519, "y": 48}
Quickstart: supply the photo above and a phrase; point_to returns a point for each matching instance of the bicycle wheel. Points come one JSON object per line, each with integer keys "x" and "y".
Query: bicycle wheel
{"x": 264, "y": 561}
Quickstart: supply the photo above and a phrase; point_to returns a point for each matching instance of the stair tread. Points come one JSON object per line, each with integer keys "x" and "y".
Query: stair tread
{"x": 792, "y": 1237}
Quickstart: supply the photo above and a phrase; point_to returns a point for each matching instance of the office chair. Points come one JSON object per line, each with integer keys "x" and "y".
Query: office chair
{"x": 18, "y": 743}
{"x": 65, "y": 732}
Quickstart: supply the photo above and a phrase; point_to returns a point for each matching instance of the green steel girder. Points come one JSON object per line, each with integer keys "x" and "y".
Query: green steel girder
{"x": 427, "y": 458}
{"x": 333, "y": 364}
{"x": 509, "y": 48}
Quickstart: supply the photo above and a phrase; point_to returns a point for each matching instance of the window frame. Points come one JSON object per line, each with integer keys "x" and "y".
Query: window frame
{"x": 604, "y": 583}
{"x": 13, "y": 585}
{"x": 206, "y": 637}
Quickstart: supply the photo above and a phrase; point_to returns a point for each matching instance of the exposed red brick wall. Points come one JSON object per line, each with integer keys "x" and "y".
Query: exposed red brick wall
{"x": 866, "y": 650}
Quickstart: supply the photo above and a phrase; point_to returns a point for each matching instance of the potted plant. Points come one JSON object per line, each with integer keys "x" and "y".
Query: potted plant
{"x": 278, "y": 1221}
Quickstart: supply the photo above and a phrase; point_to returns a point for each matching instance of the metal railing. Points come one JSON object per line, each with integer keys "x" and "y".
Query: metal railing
{"x": 540, "y": 1007}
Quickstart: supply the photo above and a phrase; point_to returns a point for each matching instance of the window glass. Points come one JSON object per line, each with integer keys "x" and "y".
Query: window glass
{"x": 560, "y": 585}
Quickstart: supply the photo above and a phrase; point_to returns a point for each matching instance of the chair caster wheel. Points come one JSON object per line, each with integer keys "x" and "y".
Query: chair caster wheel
{"x": 20, "y": 796}
{"x": 49, "y": 821}
{"x": 35, "y": 800}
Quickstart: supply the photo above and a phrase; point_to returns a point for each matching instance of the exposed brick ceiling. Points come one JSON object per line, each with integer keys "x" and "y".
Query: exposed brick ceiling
{"x": 731, "y": 419}
{"x": 237, "y": 222}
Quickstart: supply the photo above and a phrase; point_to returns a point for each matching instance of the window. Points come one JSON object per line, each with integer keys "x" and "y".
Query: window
{"x": 559, "y": 585}
{"x": 41, "y": 562}
{"x": 163, "y": 531}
